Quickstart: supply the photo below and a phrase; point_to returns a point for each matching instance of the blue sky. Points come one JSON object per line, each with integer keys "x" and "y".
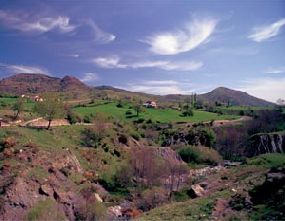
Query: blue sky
{"x": 161, "y": 46}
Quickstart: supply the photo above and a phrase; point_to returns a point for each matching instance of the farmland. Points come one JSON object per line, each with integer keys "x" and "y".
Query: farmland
{"x": 162, "y": 115}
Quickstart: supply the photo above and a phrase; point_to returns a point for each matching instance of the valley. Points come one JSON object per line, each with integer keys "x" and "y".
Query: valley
{"x": 108, "y": 157}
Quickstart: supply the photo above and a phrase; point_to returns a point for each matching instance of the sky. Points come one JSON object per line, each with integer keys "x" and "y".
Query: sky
{"x": 153, "y": 46}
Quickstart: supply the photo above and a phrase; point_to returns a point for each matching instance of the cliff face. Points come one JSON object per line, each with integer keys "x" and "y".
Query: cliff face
{"x": 266, "y": 143}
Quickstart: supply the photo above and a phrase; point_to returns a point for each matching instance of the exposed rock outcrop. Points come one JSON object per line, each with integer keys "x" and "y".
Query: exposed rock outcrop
{"x": 266, "y": 143}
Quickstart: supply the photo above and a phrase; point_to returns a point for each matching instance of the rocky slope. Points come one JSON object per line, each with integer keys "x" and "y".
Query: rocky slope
{"x": 38, "y": 83}
{"x": 266, "y": 143}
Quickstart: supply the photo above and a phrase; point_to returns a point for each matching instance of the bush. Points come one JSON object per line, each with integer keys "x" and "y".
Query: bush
{"x": 45, "y": 210}
{"x": 140, "y": 120}
{"x": 119, "y": 105}
{"x": 188, "y": 113}
{"x": 91, "y": 210}
{"x": 73, "y": 118}
{"x": 129, "y": 112}
{"x": 152, "y": 198}
{"x": 135, "y": 135}
{"x": 91, "y": 138}
{"x": 200, "y": 155}
{"x": 8, "y": 142}
{"x": 123, "y": 139}
{"x": 87, "y": 119}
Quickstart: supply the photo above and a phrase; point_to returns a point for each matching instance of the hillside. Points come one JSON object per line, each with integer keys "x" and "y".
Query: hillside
{"x": 225, "y": 95}
{"x": 39, "y": 83}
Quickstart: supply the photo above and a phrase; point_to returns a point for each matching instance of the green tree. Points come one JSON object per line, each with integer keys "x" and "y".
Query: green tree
{"x": 18, "y": 107}
{"x": 138, "y": 107}
{"x": 50, "y": 108}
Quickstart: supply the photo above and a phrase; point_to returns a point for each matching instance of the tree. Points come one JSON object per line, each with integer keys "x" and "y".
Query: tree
{"x": 92, "y": 136}
{"x": 138, "y": 107}
{"x": 18, "y": 107}
{"x": 50, "y": 108}
{"x": 177, "y": 173}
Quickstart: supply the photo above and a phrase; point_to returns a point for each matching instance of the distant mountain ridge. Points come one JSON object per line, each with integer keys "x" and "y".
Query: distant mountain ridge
{"x": 233, "y": 97}
{"x": 39, "y": 83}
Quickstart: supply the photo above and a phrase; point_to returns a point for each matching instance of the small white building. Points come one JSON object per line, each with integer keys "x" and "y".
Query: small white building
{"x": 150, "y": 104}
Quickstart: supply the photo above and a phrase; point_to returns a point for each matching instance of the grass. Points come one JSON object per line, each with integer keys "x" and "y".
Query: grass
{"x": 7, "y": 103}
{"x": 38, "y": 173}
{"x": 268, "y": 160}
{"x": 161, "y": 115}
{"x": 45, "y": 210}
{"x": 194, "y": 209}
{"x": 244, "y": 108}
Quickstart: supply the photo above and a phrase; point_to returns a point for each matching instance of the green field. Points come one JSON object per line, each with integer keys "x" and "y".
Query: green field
{"x": 8, "y": 102}
{"x": 244, "y": 108}
{"x": 161, "y": 115}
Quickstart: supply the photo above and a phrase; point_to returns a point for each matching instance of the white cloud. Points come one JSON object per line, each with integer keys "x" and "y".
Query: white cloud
{"x": 269, "y": 89}
{"x": 25, "y": 23}
{"x": 189, "y": 37}
{"x": 109, "y": 62}
{"x": 16, "y": 69}
{"x": 114, "y": 62}
{"x": 274, "y": 71}
{"x": 155, "y": 87}
{"x": 89, "y": 77}
{"x": 71, "y": 55}
{"x": 265, "y": 32}
{"x": 169, "y": 66}
{"x": 100, "y": 35}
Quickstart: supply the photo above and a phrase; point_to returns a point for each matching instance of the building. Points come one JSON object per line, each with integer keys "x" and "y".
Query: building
{"x": 150, "y": 104}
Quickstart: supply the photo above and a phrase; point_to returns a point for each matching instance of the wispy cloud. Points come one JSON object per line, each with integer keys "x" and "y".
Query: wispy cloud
{"x": 109, "y": 62}
{"x": 15, "y": 69}
{"x": 274, "y": 70}
{"x": 89, "y": 78}
{"x": 155, "y": 87}
{"x": 114, "y": 62}
{"x": 159, "y": 87}
{"x": 26, "y": 23}
{"x": 100, "y": 35}
{"x": 265, "y": 32}
{"x": 185, "y": 39}
{"x": 270, "y": 89}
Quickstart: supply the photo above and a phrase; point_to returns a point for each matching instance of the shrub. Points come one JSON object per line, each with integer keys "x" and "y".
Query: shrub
{"x": 140, "y": 120}
{"x": 129, "y": 112}
{"x": 73, "y": 118}
{"x": 91, "y": 210}
{"x": 119, "y": 105}
{"x": 199, "y": 154}
{"x": 91, "y": 138}
{"x": 188, "y": 113}
{"x": 87, "y": 119}
{"x": 152, "y": 198}
{"x": 45, "y": 210}
{"x": 8, "y": 142}
{"x": 209, "y": 137}
{"x": 123, "y": 139}
{"x": 135, "y": 135}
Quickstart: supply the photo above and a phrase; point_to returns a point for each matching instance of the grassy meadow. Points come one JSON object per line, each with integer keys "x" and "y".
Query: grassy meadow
{"x": 162, "y": 115}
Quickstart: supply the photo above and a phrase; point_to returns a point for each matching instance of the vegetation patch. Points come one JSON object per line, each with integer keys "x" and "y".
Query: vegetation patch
{"x": 45, "y": 210}
{"x": 199, "y": 155}
{"x": 268, "y": 160}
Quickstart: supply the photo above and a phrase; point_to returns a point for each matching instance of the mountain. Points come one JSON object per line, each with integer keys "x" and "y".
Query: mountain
{"x": 39, "y": 83}
{"x": 225, "y": 95}
{"x": 221, "y": 95}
